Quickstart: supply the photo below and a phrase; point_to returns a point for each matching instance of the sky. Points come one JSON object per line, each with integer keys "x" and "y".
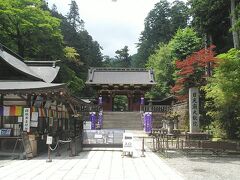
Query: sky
{"x": 113, "y": 23}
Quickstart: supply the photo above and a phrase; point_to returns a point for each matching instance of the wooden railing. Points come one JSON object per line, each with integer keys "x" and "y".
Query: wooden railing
{"x": 157, "y": 108}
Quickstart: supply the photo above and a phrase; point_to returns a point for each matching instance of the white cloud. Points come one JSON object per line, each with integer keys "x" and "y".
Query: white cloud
{"x": 112, "y": 24}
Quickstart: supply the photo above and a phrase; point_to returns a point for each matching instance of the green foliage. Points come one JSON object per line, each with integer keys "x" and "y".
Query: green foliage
{"x": 223, "y": 93}
{"x": 162, "y": 64}
{"x": 123, "y": 57}
{"x": 74, "y": 17}
{"x": 26, "y": 27}
{"x": 216, "y": 130}
{"x": 68, "y": 76}
{"x": 120, "y": 103}
{"x": 81, "y": 52}
{"x": 72, "y": 55}
{"x": 160, "y": 25}
{"x": 211, "y": 19}
{"x": 184, "y": 43}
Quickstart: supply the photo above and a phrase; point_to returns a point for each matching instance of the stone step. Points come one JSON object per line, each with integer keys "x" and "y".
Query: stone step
{"x": 122, "y": 120}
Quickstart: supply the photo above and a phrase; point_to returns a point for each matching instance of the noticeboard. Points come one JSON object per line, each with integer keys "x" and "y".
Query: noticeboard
{"x": 5, "y": 132}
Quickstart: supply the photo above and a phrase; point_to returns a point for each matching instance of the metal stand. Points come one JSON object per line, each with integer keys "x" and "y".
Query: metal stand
{"x": 20, "y": 143}
{"x": 49, "y": 154}
{"x": 143, "y": 155}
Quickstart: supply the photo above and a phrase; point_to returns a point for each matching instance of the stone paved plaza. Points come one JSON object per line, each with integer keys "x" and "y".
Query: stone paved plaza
{"x": 96, "y": 164}
{"x": 108, "y": 164}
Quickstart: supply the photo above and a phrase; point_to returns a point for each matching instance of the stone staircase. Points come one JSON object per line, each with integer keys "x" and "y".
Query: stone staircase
{"x": 122, "y": 120}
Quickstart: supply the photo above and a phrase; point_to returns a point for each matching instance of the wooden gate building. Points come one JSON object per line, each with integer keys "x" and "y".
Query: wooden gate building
{"x": 131, "y": 82}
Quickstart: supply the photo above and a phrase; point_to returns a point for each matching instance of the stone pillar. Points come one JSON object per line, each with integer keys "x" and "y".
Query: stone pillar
{"x": 194, "y": 109}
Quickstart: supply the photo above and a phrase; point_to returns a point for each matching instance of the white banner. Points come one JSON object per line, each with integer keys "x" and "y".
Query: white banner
{"x": 26, "y": 119}
{"x": 194, "y": 109}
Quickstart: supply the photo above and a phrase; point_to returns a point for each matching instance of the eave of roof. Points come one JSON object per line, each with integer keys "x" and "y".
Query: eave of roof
{"x": 18, "y": 64}
{"x": 120, "y": 76}
{"x": 30, "y": 87}
{"x": 48, "y": 74}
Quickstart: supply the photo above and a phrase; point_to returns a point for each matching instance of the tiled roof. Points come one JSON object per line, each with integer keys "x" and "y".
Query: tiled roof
{"x": 17, "y": 64}
{"x": 131, "y": 76}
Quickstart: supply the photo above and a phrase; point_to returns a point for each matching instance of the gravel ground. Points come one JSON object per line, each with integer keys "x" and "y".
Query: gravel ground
{"x": 202, "y": 167}
{"x": 208, "y": 167}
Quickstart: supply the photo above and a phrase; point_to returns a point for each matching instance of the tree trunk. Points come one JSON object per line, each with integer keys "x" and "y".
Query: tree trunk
{"x": 233, "y": 19}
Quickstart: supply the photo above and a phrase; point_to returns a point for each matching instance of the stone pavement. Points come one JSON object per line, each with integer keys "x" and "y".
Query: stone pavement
{"x": 99, "y": 164}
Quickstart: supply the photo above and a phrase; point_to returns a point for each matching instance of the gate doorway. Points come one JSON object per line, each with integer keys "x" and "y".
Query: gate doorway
{"x": 120, "y": 103}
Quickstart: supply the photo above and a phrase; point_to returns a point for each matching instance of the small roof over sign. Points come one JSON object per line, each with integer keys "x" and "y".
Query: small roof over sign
{"x": 121, "y": 76}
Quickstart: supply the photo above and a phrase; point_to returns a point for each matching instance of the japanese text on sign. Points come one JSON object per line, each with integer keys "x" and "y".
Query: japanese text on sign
{"x": 194, "y": 109}
{"x": 26, "y": 119}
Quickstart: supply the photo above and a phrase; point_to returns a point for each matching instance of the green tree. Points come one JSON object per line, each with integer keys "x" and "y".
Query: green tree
{"x": 162, "y": 64}
{"x": 179, "y": 13}
{"x": 123, "y": 57}
{"x": 88, "y": 49}
{"x": 74, "y": 17}
{"x": 160, "y": 25}
{"x": 209, "y": 16}
{"x": 223, "y": 93}
{"x": 184, "y": 43}
{"x": 26, "y": 27}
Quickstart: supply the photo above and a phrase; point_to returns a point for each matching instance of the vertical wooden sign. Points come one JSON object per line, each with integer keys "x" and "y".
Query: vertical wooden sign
{"x": 26, "y": 119}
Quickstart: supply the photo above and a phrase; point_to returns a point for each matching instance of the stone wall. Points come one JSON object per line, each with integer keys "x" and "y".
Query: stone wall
{"x": 157, "y": 120}
{"x": 182, "y": 110}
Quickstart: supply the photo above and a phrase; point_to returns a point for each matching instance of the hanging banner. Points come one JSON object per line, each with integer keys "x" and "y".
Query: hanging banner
{"x": 194, "y": 109}
{"x": 148, "y": 122}
{"x": 26, "y": 119}
{"x": 93, "y": 119}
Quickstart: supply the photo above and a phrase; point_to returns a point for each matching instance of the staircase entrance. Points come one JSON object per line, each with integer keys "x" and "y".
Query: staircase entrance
{"x": 120, "y": 98}
{"x": 114, "y": 125}
{"x": 122, "y": 120}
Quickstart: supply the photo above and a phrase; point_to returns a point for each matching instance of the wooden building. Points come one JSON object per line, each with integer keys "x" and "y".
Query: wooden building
{"x": 131, "y": 82}
{"x": 30, "y": 102}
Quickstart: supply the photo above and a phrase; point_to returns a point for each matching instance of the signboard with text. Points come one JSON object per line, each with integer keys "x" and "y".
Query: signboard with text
{"x": 194, "y": 109}
{"x": 26, "y": 119}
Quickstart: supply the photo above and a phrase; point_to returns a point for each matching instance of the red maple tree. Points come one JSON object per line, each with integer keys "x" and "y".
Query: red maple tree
{"x": 192, "y": 71}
